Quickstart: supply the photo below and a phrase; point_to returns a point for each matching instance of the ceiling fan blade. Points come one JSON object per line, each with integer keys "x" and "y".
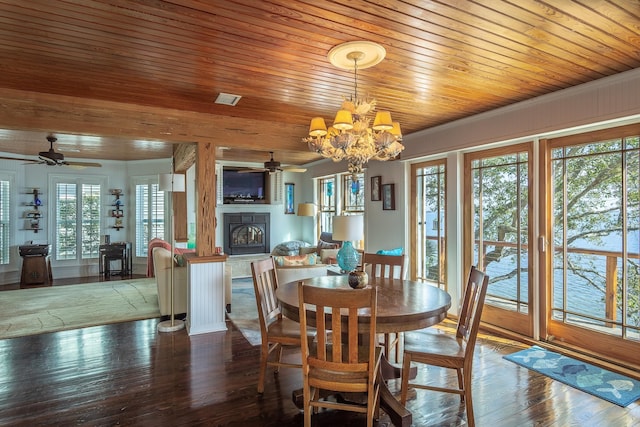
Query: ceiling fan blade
{"x": 247, "y": 170}
{"x": 293, "y": 169}
{"x": 21, "y": 159}
{"x": 82, "y": 164}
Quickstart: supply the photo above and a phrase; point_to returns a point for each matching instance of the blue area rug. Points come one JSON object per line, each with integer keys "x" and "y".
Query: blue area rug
{"x": 607, "y": 385}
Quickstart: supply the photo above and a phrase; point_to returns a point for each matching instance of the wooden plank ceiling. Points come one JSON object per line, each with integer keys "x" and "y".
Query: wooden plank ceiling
{"x": 120, "y": 79}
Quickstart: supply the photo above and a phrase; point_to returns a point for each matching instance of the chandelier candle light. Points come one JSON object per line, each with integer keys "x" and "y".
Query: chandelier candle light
{"x": 351, "y": 138}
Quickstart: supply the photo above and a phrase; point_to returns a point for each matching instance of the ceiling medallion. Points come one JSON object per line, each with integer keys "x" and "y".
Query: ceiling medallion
{"x": 351, "y": 137}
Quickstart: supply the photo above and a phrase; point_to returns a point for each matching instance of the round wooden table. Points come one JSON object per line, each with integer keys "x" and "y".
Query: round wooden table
{"x": 403, "y": 305}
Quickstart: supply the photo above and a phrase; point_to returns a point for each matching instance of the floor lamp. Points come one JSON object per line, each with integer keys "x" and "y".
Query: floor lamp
{"x": 307, "y": 209}
{"x": 171, "y": 183}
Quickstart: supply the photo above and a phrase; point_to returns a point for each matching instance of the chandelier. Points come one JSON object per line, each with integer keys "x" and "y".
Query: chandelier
{"x": 351, "y": 137}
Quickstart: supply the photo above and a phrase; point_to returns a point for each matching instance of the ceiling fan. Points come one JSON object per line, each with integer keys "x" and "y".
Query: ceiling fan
{"x": 272, "y": 167}
{"x": 53, "y": 158}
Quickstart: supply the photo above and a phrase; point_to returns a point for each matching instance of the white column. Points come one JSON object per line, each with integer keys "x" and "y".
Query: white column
{"x": 206, "y": 301}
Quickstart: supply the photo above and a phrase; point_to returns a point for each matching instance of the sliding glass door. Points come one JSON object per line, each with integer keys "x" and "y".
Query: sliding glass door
{"x": 594, "y": 238}
{"x": 498, "y": 234}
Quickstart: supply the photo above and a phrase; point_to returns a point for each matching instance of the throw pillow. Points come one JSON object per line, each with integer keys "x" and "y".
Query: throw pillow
{"x": 327, "y": 245}
{"x": 328, "y": 256}
{"x": 293, "y": 260}
{"x": 179, "y": 259}
{"x": 289, "y": 248}
{"x": 308, "y": 250}
{"x": 395, "y": 252}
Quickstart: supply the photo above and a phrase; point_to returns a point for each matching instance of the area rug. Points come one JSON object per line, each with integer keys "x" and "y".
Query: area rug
{"x": 607, "y": 385}
{"x": 56, "y": 308}
{"x": 244, "y": 312}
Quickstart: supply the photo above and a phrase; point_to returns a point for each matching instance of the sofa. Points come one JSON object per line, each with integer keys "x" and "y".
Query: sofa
{"x": 162, "y": 260}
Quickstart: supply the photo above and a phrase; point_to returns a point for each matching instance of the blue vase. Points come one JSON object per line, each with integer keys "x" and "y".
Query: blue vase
{"x": 348, "y": 257}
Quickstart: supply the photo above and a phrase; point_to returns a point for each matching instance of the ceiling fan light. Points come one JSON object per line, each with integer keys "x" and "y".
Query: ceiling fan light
{"x": 317, "y": 127}
{"x": 343, "y": 120}
{"x": 382, "y": 121}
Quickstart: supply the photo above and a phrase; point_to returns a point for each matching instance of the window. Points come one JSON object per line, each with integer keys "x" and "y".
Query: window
{"x": 78, "y": 220}
{"x": 353, "y": 193}
{"x": 428, "y": 219}
{"x": 150, "y": 214}
{"x": 326, "y": 203}
{"x": 5, "y": 219}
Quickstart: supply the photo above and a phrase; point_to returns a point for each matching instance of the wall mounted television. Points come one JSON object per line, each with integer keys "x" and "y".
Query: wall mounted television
{"x": 243, "y": 187}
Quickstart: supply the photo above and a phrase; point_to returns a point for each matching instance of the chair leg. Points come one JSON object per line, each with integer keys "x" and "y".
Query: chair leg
{"x": 467, "y": 398}
{"x": 306, "y": 407}
{"x": 278, "y": 358}
{"x": 264, "y": 355}
{"x": 406, "y": 367}
{"x": 461, "y": 382}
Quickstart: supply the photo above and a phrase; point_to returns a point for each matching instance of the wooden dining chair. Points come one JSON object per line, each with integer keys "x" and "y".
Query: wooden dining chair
{"x": 447, "y": 350}
{"x": 389, "y": 267}
{"x": 337, "y": 361}
{"x": 277, "y": 332}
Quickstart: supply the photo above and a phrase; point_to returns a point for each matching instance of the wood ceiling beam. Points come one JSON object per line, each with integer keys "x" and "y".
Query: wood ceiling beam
{"x": 64, "y": 114}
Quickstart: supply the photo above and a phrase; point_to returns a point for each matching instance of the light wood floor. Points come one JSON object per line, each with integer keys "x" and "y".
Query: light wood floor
{"x": 129, "y": 374}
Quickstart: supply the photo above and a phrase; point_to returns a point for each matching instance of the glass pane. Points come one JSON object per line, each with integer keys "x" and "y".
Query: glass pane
{"x": 501, "y": 223}
{"x": 90, "y": 220}
{"x": 595, "y": 237}
{"x": 430, "y": 224}
{"x": 66, "y": 208}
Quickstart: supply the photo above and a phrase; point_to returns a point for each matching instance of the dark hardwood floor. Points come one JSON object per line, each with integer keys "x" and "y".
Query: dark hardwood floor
{"x": 129, "y": 374}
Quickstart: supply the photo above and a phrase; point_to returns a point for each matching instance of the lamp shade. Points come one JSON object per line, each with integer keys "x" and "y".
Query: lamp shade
{"x": 306, "y": 209}
{"x": 396, "y": 129}
{"x": 348, "y": 227}
{"x": 173, "y": 182}
{"x": 382, "y": 121}
{"x": 317, "y": 127}
{"x": 343, "y": 120}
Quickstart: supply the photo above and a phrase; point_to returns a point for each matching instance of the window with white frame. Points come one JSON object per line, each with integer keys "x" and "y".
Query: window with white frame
{"x": 150, "y": 214}
{"x": 78, "y": 217}
{"x": 5, "y": 219}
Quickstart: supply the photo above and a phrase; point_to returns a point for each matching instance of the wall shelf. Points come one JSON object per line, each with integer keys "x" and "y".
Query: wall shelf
{"x": 117, "y": 209}
{"x": 34, "y": 216}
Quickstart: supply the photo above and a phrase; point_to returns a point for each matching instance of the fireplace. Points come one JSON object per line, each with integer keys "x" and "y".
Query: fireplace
{"x": 246, "y": 233}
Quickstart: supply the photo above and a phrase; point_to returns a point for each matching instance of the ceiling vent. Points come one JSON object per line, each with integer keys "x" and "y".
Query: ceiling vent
{"x": 227, "y": 99}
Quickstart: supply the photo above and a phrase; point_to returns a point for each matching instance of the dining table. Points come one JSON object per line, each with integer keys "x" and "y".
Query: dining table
{"x": 403, "y": 305}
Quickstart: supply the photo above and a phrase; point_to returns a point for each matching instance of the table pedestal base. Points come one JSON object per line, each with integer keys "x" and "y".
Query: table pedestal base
{"x": 399, "y": 415}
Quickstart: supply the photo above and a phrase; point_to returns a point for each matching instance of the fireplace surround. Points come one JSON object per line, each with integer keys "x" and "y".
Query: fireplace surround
{"x": 246, "y": 233}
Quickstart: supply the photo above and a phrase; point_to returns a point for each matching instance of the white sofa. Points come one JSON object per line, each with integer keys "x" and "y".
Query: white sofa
{"x": 162, "y": 268}
{"x": 292, "y": 273}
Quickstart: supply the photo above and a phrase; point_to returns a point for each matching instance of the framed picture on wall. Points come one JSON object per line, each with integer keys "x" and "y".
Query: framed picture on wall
{"x": 375, "y": 188}
{"x": 388, "y": 197}
{"x": 289, "y": 201}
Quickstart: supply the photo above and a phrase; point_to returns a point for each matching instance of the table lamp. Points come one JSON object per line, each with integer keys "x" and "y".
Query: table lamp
{"x": 348, "y": 228}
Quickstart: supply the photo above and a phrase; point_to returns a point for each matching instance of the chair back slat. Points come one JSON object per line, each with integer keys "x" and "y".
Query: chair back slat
{"x": 385, "y": 266}
{"x": 265, "y": 283}
{"x": 346, "y": 308}
{"x": 471, "y": 307}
